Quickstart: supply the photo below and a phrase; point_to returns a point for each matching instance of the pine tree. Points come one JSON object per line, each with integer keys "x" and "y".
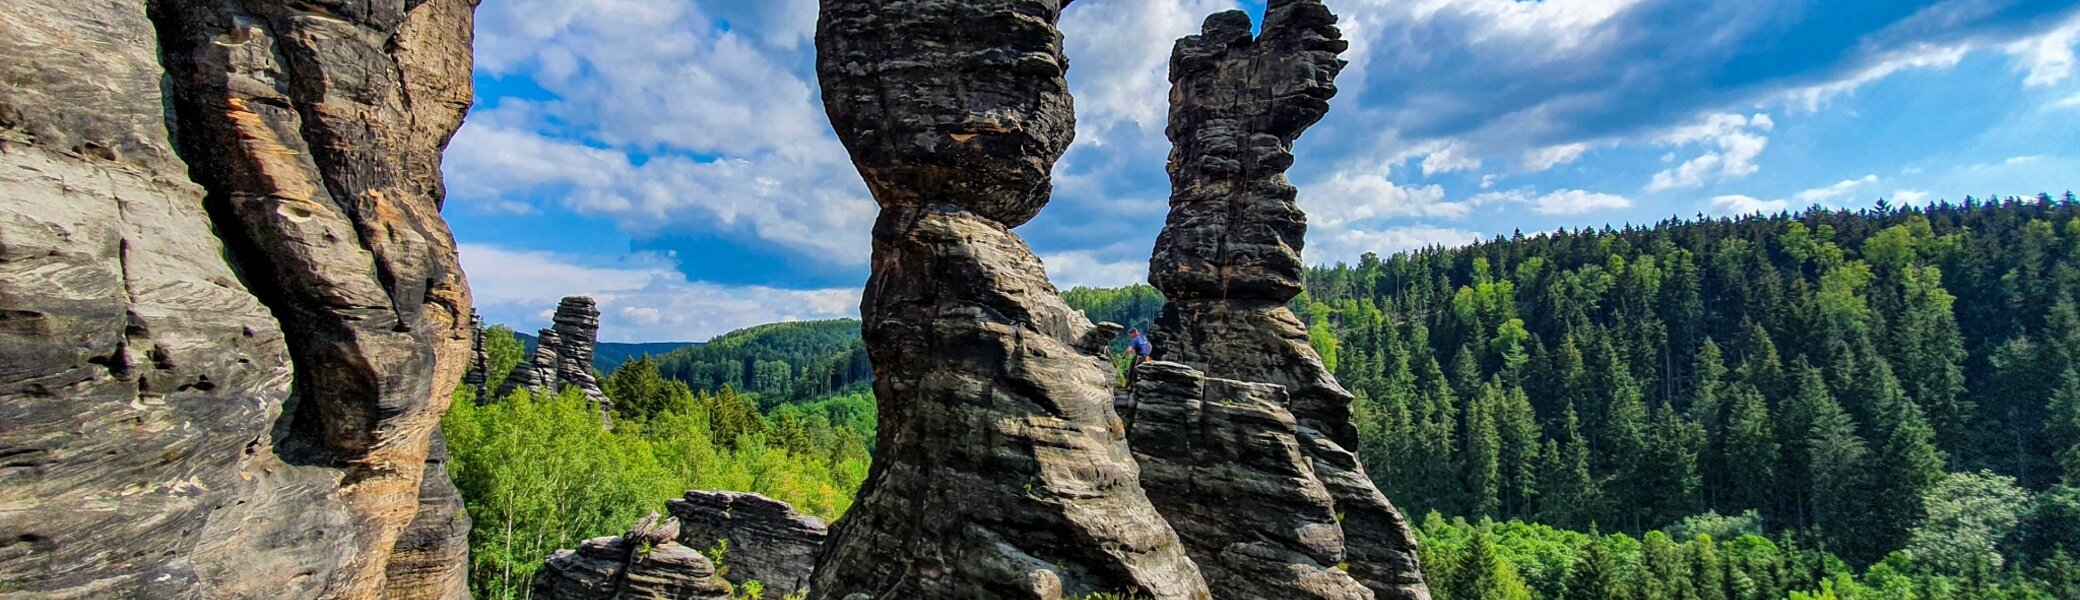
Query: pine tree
{"x": 1482, "y": 455}
{"x": 1517, "y": 427}
{"x": 1906, "y": 466}
{"x": 1749, "y": 451}
{"x": 1569, "y": 497}
{"x": 1707, "y": 408}
{"x": 1836, "y": 461}
{"x": 2062, "y": 427}
{"x": 1930, "y": 351}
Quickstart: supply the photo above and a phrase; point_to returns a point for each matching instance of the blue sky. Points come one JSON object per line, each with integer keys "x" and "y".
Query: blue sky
{"x": 671, "y": 157}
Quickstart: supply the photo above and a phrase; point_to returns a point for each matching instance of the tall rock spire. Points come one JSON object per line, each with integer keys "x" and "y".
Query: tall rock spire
{"x": 1228, "y": 258}
{"x": 1001, "y": 469}
{"x": 563, "y": 357}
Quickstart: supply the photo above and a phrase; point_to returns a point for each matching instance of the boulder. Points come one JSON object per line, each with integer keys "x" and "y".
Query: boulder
{"x": 644, "y": 564}
{"x": 768, "y": 541}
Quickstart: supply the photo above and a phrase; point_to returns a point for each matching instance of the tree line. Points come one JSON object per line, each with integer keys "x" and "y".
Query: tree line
{"x": 1828, "y": 370}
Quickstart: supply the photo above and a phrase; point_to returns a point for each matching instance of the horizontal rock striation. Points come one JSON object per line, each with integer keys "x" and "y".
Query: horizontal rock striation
{"x": 563, "y": 357}
{"x": 768, "y": 540}
{"x": 1228, "y": 258}
{"x": 644, "y": 564}
{"x": 1001, "y": 470}
{"x": 1222, "y": 460}
{"x": 227, "y": 350}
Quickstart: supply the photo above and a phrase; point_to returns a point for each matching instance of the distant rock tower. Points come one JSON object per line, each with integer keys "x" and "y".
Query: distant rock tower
{"x": 478, "y": 377}
{"x": 563, "y": 357}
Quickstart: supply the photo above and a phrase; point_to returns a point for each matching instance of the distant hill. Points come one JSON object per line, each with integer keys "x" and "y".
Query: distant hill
{"x": 795, "y": 360}
{"x": 609, "y": 355}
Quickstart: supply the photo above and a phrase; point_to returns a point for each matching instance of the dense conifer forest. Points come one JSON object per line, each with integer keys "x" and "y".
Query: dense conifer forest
{"x": 1832, "y": 404}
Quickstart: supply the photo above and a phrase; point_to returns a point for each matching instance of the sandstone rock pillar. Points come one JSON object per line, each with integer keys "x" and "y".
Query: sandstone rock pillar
{"x": 1228, "y": 258}
{"x": 1001, "y": 470}
{"x": 230, "y": 313}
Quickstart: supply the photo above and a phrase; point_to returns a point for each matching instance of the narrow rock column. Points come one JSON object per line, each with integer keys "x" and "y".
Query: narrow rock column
{"x": 1228, "y": 258}
{"x": 1001, "y": 470}
{"x": 478, "y": 377}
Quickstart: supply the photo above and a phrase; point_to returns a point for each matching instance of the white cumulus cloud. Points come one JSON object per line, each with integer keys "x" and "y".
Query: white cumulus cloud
{"x": 1837, "y": 191}
{"x": 643, "y": 298}
{"x": 1737, "y": 204}
{"x": 1735, "y": 142}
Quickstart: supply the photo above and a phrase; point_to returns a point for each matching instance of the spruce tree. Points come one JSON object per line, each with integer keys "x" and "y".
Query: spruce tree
{"x": 1749, "y": 451}
{"x": 1836, "y": 460}
{"x": 2062, "y": 427}
{"x": 1481, "y": 457}
{"x": 1517, "y": 428}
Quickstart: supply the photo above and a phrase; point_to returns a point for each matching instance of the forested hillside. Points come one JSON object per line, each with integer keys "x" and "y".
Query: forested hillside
{"x": 783, "y": 362}
{"x": 607, "y": 356}
{"x": 1829, "y": 371}
{"x": 1829, "y": 405}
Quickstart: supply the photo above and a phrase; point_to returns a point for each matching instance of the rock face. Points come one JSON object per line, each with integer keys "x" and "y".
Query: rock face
{"x": 1223, "y": 462}
{"x": 563, "y": 357}
{"x": 1228, "y": 258}
{"x": 768, "y": 540}
{"x": 643, "y": 564}
{"x": 1001, "y": 469}
{"x": 478, "y": 377}
{"x": 226, "y": 351}
{"x": 424, "y": 562}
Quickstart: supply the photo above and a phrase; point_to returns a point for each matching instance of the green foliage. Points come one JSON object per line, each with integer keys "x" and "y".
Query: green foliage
{"x": 538, "y": 474}
{"x": 781, "y": 363}
{"x": 1968, "y": 514}
{"x": 1511, "y": 560}
{"x": 503, "y": 351}
{"x": 1821, "y": 371}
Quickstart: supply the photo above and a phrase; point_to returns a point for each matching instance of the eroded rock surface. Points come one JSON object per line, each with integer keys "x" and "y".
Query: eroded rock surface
{"x": 1228, "y": 258}
{"x": 563, "y": 357}
{"x": 768, "y": 540}
{"x": 1222, "y": 461}
{"x": 1001, "y": 469}
{"x": 478, "y": 377}
{"x": 644, "y": 564}
{"x": 226, "y": 352}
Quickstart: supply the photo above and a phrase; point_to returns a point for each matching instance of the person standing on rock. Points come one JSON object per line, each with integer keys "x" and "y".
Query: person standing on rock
{"x": 1138, "y": 351}
{"x": 1138, "y": 344}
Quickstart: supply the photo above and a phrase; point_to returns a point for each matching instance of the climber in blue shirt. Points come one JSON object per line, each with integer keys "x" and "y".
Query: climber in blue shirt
{"x": 1139, "y": 346}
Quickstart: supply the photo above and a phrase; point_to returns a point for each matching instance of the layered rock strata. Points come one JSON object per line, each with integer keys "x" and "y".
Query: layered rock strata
{"x": 1228, "y": 258}
{"x": 644, "y": 564}
{"x": 768, "y": 540}
{"x": 1223, "y": 462}
{"x": 1001, "y": 469}
{"x": 226, "y": 350}
{"x": 478, "y": 377}
{"x": 563, "y": 357}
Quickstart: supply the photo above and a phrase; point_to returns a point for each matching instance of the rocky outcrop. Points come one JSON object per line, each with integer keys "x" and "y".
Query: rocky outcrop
{"x": 563, "y": 357}
{"x": 1001, "y": 469}
{"x": 1223, "y": 462}
{"x": 478, "y": 377}
{"x": 1228, "y": 258}
{"x": 643, "y": 564}
{"x": 226, "y": 351}
{"x": 431, "y": 556}
{"x": 768, "y": 541}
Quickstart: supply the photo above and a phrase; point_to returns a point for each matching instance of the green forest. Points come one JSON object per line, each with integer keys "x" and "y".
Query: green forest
{"x": 1825, "y": 405}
